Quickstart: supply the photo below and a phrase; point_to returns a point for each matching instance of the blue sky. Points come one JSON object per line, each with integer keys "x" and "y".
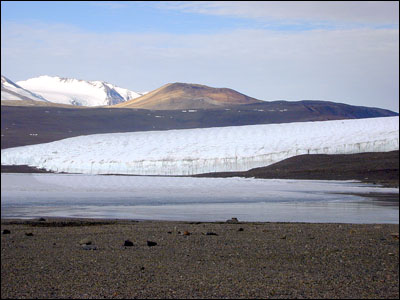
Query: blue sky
{"x": 338, "y": 51}
{"x": 111, "y": 17}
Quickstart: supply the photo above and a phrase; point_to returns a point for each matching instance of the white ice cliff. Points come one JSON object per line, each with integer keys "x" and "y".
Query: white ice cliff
{"x": 194, "y": 151}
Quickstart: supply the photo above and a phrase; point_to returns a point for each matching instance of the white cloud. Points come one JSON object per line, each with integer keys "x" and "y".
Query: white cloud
{"x": 358, "y": 66}
{"x": 373, "y": 12}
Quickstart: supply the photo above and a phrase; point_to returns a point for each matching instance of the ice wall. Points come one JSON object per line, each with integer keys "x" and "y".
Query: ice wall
{"x": 194, "y": 151}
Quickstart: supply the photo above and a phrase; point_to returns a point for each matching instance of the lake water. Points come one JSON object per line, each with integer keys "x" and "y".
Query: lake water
{"x": 193, "y": 199}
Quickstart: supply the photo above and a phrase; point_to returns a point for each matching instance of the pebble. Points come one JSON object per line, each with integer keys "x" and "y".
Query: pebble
{"x": 128, "y": 243}
{"x": 6, "y": 231}
{"x": 85, "y": 241}
{"x": 211, "y": 233}
{"x": 232, "y": 221}
{"x": 151, "y": 244}
{"x": 28, "y": 233}
{"x": 89, "y": 247}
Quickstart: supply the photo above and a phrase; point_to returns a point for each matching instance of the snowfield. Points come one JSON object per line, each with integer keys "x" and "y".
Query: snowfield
{"x": 78, "y": 92}
{"x": 195, "y": 151}
{"x": 12, "y": 91}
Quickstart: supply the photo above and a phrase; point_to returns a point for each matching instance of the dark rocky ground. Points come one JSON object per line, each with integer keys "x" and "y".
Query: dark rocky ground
{"x": 86, "y": 259}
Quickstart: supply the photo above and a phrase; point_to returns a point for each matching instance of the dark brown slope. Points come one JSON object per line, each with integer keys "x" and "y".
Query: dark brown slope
{"x": 188, "y": 96}
{"x": 380, "y": 167}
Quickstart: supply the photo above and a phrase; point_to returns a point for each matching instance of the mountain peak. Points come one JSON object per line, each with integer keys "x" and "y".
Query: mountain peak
{"x": 179, "y": 95}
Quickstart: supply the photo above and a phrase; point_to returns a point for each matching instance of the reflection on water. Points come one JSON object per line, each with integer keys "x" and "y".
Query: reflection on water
{"x": 195, "y": 199}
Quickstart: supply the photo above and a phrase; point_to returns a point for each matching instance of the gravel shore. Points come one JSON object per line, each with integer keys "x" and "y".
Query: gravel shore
{"x": 70, "y": 258}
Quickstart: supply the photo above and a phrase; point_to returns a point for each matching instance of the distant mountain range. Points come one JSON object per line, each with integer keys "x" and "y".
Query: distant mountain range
{"x": 66, "y": 91}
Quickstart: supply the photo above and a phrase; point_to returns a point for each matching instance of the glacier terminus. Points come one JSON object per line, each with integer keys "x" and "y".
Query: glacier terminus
{"x": 196, "y": 151}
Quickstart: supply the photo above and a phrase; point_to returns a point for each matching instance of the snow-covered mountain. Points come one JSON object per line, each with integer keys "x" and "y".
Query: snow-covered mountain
{"x": 12, "y": 91}
{"x": 194, "y": 151}
{"x": 78, "y": 92}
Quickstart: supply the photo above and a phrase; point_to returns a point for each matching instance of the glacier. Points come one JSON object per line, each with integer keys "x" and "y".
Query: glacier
{"x": 195, "y": 151}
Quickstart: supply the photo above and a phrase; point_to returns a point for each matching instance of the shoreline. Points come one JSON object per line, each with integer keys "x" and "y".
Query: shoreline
{"x": 49, "y": 259}
{"x": 387, "y": 183}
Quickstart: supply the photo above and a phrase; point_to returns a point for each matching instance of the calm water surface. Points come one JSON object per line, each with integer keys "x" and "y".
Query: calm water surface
{"x": 194, "y": 199}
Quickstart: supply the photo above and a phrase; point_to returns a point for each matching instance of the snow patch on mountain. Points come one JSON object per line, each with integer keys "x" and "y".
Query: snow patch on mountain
{"x": 78, "y": 92}
{"x": 194, "y": 151}
{"x": 12, "y": 91}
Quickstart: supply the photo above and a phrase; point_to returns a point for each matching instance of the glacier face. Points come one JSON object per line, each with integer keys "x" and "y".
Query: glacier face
{"x": 195, "y": 151}
{"x": 78, "y": 92}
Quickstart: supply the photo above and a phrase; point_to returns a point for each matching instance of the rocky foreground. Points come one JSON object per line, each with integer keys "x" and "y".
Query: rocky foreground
{"x": 60, "y": 258}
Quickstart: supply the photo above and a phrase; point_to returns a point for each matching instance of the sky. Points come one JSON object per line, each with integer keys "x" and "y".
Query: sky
{"x": 345, "y": 52}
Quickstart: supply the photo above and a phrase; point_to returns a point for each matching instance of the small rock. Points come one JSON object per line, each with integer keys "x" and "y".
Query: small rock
{"x": 232, "y": 221}
{"x": 283, "y": 237}
{"x": 151, "y": 244}
{"x": 240, "y": 229}
{"x": 28, "y": 233}
{"x": 89, "y": 247}
{"x": 85, "y": 241}
{"x": 6, "y": 231}
{"x": 395, "y": 235}
{"x": 128, "y": 243}
{"x": 42, "y": 220}
{"x": 186, "y": 232}
{"x": 211, "y": 233}
{"x": 169, "y": 232}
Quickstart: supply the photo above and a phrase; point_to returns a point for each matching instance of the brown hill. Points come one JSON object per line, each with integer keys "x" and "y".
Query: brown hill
{"x": 188, "y": 96}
